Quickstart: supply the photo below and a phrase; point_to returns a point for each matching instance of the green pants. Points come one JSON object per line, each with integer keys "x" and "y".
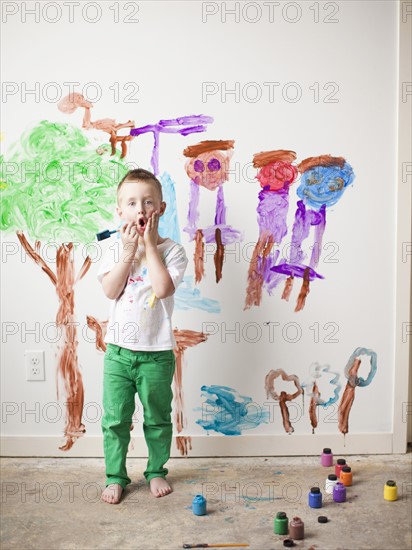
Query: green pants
{"x": 149, "y": 374}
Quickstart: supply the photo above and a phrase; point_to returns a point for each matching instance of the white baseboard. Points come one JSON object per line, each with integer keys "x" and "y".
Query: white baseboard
{"x": 209, "y": 446}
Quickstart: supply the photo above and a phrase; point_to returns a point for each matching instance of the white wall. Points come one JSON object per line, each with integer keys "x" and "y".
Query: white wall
{"x": 170, "y": 53}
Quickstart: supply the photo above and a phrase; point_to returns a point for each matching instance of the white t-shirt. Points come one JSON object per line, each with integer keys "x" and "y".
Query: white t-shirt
{"x": 138, "y": 320}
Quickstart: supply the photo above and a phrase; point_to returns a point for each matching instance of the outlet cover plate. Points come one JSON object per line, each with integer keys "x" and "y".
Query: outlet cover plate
{"x": 34, "y": 362}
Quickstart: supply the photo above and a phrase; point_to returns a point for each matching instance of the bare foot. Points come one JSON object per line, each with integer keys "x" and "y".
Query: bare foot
{"x": 159, "y": 487}
{"x": 112, "y": 493}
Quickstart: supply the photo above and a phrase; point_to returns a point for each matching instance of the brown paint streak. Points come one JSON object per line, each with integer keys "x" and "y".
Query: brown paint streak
{"x": 114, "y": 139}
{"x": 100, "y": 328}
{"x": 288, "y": 288}
{"x": 208, "y": 145}
{"x": 68, "y": 368}
{"x": 183, "y": 444}
{"x": 35, "y": 256}
{"x": 283, "y": 397}
{"x": 255, "y": 276}
{"x": 199, "y": 256}
{"x": 219, "y": 254}
{"x": 322, "y": 160}
{"x": 267, "y": 157}
{"x": 304, "y": 291}
{"x": 348, "y": 397}
{"x": 313, "y": 407}
{"x": 184, "y": 339}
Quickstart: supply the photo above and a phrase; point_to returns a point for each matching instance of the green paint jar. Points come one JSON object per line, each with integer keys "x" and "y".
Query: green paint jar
{"x": 281, "y": 524}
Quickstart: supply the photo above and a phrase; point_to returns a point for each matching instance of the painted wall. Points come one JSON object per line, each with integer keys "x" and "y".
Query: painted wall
{"x": 316, "y": 79}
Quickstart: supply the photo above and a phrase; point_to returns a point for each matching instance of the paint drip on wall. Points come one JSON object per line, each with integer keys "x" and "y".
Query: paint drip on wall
{"x": 317, "y": 374}
{"x": 351, "y": 373}
{"x": 282, "y": 396}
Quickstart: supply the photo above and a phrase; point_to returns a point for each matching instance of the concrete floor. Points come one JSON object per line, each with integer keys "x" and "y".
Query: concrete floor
{"x": 54, "y": 504}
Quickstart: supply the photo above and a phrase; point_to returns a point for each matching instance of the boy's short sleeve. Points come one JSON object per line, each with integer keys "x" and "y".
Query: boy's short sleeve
{"x": 176, "y": 263}
{"x": 108, "y": 261}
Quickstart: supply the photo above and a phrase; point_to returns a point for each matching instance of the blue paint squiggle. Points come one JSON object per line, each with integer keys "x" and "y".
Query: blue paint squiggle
{"x": 227, "y": 412}
{"x": 373, "y": 363}
{"x": 316, "y": 371}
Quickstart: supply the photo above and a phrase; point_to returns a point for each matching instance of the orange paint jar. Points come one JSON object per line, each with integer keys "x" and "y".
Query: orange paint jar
{"x": 346, "y": 476}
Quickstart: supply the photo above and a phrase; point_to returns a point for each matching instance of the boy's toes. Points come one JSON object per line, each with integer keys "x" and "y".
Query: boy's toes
{"x": 112, "y": 493}
{"x": 159, "y": 487}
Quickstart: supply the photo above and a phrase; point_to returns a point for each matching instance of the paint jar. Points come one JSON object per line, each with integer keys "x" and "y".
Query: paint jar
{"x": 199, "y": 505}
{"x": 315, "y": 498}
{"x": 326, "y": 458}
{"x": 296, "y": 529}
{"x": 339, "y": 492}
{"x": 340, "y": 463}
{"x": 330, "y": 483}
{"x": 281, "y": 524}
{"x": 390, "y": 491}
{"x": 346, "y": 476}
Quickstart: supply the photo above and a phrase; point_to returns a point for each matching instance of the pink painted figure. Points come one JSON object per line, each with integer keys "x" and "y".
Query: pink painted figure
{"x": 208, "y": 166}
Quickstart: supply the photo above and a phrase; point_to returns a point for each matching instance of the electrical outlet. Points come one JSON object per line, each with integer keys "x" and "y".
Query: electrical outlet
{"x": 34, "y": 365}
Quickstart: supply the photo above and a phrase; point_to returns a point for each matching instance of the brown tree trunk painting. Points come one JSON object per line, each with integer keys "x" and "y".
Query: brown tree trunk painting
{"x": 68, "y": 368}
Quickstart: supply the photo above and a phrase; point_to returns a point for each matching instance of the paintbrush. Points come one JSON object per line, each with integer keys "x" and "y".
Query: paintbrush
{"x": 105, "y": 234}
{"x": 205, "y": 545}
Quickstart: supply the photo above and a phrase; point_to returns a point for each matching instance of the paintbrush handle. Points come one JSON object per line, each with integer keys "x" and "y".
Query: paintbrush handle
{"x": 205, "y": 545}
{"x": 106, "y": 234}
{"x": 225, "y": 545}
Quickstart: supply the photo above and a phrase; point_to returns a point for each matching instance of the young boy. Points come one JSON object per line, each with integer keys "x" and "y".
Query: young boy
{"x": 140, "y": 276}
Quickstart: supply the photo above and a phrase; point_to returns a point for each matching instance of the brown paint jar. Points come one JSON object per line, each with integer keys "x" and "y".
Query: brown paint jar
{"x": 296, "y": 529}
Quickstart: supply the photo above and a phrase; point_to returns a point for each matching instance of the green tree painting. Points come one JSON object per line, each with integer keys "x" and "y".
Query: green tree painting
{"x": 56, "y": 187}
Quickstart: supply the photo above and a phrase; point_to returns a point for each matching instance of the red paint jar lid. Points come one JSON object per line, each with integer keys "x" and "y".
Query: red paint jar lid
{"x": 341, "y": 461}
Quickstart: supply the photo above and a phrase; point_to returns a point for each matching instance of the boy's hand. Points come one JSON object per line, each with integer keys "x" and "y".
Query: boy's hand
{"x": 151, "y": 234}
{"x": 130, "y": 237}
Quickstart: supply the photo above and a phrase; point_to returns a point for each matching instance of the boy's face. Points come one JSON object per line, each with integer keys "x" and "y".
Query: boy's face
{"x": 137, "y": 202}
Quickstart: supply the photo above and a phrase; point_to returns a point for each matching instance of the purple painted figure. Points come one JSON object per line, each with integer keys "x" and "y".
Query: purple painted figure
{"x": 275, "y": 176}
{"x": 208, "y": 166}
{"x": 323, "y": 182}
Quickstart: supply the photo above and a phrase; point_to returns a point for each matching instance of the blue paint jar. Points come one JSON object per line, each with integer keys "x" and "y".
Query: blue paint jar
{"x": 315, "y": 498}
{"x": 199, "y": 505}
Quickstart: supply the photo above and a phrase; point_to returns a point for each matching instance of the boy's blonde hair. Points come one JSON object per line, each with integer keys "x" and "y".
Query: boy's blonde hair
{"x": 139, "y": 174}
